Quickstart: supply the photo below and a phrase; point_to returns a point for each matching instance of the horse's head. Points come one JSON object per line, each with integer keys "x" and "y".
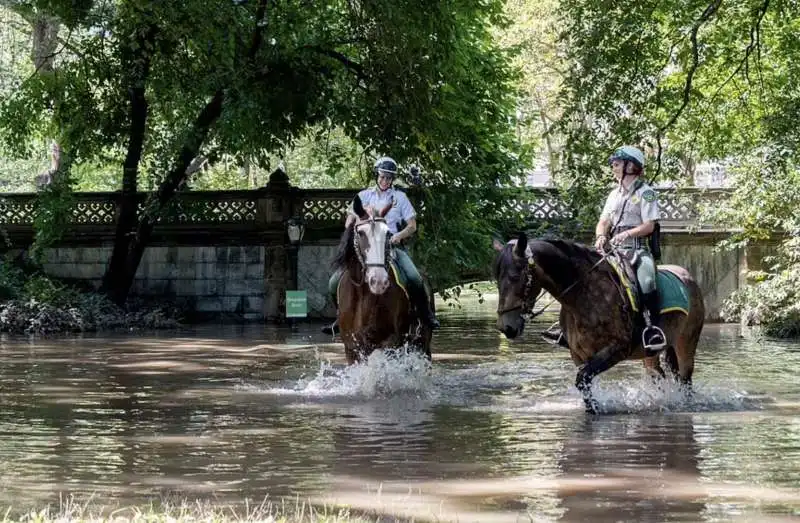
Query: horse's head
{"x": 516, "y": 284}
{"x": 371, "y": 243}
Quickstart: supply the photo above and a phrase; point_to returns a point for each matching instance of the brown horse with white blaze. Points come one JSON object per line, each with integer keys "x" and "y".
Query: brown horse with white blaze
{"x": 374, "y": 310}
{"x": 598, "y": 319}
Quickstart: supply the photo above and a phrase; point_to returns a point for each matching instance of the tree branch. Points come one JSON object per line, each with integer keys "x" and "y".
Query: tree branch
{"x": 710, "y": 10}
{"x": 357, "y": 68}
{"x": 753, "y": 45}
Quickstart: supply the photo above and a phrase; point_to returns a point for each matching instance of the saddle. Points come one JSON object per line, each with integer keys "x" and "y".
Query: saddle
{"x": 673, "y": 296}
{"x": 625, "y": 267}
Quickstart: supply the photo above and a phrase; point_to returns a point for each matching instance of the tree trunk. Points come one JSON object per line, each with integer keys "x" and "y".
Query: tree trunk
{"x": 128, "y": 202}
{"x": 121, "y": 283}
{"x": 45, "y": 33}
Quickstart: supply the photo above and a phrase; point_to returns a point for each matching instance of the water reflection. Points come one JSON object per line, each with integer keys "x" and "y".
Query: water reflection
{"x": 601, "y": 447}
{"x": 491, "y": 430}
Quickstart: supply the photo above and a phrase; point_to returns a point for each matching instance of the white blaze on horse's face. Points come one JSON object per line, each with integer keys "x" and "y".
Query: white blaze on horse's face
{"x": 373, "y": 238}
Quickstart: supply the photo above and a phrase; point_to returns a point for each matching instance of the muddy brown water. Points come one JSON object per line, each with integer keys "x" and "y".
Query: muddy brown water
{"x": 492, "y": 431}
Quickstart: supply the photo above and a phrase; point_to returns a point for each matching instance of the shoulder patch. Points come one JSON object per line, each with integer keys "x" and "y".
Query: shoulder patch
{"x": 649, "y": 195}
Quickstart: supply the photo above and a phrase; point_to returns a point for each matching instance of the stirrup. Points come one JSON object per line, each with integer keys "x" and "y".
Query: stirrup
{"x": 653, "y": 340}
{"x": 332, "y": 329}
{"x": 554, "y": 335}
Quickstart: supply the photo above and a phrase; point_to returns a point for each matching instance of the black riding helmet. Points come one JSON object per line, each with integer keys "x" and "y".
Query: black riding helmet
{"x": 385, "y": 166}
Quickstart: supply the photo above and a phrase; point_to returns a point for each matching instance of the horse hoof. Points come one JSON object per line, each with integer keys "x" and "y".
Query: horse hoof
{"x": 591, "y": 407}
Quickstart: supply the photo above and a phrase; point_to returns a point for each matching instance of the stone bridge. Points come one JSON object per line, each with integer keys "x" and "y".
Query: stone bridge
{"x": 227, "y": 253}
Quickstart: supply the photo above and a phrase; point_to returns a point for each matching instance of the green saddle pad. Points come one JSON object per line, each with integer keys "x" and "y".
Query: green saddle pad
{"x": 672, "y": 293}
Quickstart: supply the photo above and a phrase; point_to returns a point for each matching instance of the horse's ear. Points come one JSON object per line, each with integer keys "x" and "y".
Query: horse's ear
{"x": 385, "y": 210}
{"x": 497, "y": 245}
{"x": 522, "y": 245}
{"x": 358, "y": 208}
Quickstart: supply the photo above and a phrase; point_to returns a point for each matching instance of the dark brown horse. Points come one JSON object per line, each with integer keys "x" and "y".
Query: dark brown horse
{"x": 598, "y": 320}
{"x": 374, "y": 310}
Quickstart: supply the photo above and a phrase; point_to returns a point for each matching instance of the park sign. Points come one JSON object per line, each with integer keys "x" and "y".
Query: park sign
{"x": 296, "y": 304}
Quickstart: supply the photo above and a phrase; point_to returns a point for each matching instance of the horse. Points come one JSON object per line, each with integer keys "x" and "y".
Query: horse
{"x": 597, "y": 314}
{"x": 374, "y": 309}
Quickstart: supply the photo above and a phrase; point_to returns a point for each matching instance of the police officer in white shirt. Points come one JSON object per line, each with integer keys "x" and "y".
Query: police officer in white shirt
{"x": 629, "y": 217}
{"x": 378, "y": 197}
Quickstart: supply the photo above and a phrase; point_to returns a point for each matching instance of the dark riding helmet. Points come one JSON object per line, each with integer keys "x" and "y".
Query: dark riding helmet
{"x": 385, "y": 166}
{"x": 629, "y": 153}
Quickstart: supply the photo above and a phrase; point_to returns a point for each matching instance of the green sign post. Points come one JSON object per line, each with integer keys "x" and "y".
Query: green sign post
{"x": 296, "y": 304}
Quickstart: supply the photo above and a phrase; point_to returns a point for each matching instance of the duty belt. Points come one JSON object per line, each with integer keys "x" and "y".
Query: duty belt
{"x": 634, "y": 243}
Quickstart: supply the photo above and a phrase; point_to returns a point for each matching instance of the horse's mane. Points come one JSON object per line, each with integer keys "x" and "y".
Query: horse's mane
{"x": 565, "y": 256}
{"x": 346, "y": 251}
{"x": 575, "y": 250}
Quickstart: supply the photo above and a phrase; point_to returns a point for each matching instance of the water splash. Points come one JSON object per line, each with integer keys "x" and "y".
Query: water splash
{"x": 629, "y": 395}
{"x": 400, "y": 371}
{"x": 648, "y": 395}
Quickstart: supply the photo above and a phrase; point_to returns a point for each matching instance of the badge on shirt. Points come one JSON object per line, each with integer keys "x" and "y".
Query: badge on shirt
{"x": 635, "y": 199}
{"x": 649, "y": 195}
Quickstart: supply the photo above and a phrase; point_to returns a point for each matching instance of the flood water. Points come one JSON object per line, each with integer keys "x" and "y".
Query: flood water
{"x": 492, "y": 431}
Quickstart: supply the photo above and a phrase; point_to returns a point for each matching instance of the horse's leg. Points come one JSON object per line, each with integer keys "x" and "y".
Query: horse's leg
{"x": 672, "y": 361}
{"x": 350, "y": 353}
{"x": 600, "y": 362}
{"x": 653, "y": 367}
{"x": 684, "y": 354}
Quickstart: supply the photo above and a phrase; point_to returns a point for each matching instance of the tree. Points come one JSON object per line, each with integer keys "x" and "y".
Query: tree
{"x": 160, "y": 83}
{"x": 692, "y": 81}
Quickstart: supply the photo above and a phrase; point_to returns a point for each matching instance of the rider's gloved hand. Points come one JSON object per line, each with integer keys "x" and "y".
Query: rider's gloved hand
{"x": 620, "y": 238}
{"x": 601, "y": 243}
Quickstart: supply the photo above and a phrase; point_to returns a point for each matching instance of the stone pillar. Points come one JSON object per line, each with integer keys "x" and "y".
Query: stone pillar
{"x": 277, "y": 208}
{"x": 276, "y": 277}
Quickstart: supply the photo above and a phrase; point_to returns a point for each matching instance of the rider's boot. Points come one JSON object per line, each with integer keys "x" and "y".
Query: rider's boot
{"x": 653, "y": 338}
{"x": 419, "y": 299}
{"x": 555, "y": 335}
{"x": 333, "y": 287}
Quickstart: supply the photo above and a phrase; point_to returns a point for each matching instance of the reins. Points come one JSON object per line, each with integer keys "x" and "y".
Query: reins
{"x": 532, "y": 314}
{"x": 528, "y": 304}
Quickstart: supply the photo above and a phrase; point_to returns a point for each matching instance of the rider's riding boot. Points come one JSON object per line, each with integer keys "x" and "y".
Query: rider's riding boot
{"x": 419, "y": 299}
{"x": 653, "y": 338}
{"x": 333, "y": 328}
{"x": 556, "y": 336}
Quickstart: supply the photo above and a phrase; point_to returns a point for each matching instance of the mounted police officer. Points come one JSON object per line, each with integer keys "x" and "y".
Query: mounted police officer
{"x": 629, "y": 216}
{"x": 401, "y": 211}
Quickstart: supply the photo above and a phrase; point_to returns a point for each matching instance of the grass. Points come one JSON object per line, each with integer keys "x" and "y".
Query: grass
{"x": 286, "y": 510}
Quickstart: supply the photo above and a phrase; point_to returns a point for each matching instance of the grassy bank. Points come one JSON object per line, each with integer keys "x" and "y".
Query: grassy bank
{"x": 283, "y": 511}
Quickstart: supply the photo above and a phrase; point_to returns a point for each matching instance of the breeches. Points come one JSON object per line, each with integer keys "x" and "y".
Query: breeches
{"x": 646, "y": 271}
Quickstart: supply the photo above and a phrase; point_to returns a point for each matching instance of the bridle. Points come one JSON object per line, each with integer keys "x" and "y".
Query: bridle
{"x": 528, "y": 298}
{"x": 357, "y": 246}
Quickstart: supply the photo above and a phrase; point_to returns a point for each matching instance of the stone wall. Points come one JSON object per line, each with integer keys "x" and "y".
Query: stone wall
{"x": 313, "y": 273}
{"x": 213, "y": 281}
{"x": 248, "y": 282}
{"x": 717, "y": 273}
